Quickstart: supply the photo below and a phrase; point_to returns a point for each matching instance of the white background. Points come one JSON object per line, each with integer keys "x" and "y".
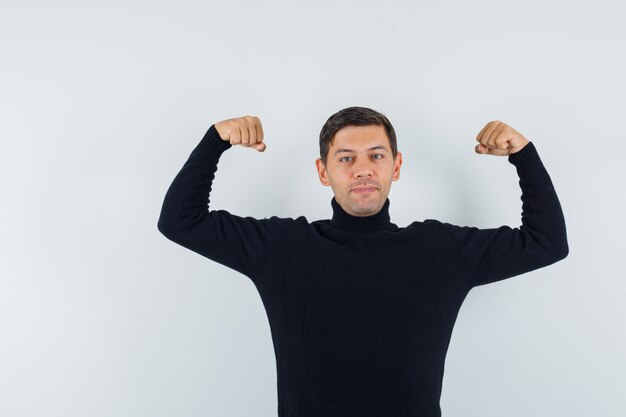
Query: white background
{"x": 101, "y": 104}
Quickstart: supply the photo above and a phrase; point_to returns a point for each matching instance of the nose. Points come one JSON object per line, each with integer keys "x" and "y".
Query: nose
{"x": 363, "y": 168}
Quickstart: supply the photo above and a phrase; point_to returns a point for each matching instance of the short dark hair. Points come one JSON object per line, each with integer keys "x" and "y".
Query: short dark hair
{"x": 354, "y": 116}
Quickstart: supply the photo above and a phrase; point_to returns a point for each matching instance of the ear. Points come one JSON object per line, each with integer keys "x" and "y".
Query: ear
{"x": 396, "y": 167}
{"x": 321, "y": 172}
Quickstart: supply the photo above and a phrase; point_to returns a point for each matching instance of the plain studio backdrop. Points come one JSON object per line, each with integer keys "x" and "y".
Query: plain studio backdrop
{"x": 102, "y": 103}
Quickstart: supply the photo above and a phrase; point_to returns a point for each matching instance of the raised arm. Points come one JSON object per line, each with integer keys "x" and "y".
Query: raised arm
{"x": 240, "y": 243}
{"x": 494, "y": 254}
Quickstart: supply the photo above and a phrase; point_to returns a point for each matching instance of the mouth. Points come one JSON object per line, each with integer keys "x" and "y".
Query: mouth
{"x": 364, "y": 189}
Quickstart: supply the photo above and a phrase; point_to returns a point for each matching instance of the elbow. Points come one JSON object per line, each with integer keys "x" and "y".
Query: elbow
{"x": 563, "y": 246}
{"x": 564, "y": 251}
{"x": 166, "y": 227}
{"x": 163, "y": 227}
{"x": 550, "y": 252}
{"x": 559, "y": 251}
{"x": 554, "y": 246}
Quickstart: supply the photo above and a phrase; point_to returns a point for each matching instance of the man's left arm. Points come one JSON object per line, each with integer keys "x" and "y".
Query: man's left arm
{"x": 494, "y": 254}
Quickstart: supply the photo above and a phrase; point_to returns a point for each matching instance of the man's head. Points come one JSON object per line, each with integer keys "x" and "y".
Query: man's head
{"x": 358, "y": 149}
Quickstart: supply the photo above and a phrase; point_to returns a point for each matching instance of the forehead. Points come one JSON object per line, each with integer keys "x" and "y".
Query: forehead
{"x": 360, "y": 136}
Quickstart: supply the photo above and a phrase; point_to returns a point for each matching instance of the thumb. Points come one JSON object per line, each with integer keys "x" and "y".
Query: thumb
{"x": 490, "y": 151}
{"x": 481, "y": 149}
{"x": 259, "y": 146}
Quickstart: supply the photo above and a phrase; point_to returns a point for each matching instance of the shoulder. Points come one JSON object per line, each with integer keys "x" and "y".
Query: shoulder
{"x": 426, "y": 224}
{"x": 435, "y": 229}
{"x": 428, "y": 230}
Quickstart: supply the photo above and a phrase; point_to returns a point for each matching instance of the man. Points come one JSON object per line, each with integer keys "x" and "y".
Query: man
{"x": 361, "y": 311}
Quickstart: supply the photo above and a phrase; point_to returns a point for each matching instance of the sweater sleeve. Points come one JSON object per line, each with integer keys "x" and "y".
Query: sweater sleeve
{"x": 240, "y": 243}
{"x": 491, "y": 255}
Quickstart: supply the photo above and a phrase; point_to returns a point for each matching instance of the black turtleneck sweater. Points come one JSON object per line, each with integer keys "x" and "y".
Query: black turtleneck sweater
{"x": 361, "y": 311}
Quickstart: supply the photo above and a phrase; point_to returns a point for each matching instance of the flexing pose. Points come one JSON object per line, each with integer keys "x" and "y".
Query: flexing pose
{"x": 361, "y": 311}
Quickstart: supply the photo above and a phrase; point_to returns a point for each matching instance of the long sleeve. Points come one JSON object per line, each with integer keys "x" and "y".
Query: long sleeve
{"x": 240, "y": 243}
{"x": 494, "y": 254}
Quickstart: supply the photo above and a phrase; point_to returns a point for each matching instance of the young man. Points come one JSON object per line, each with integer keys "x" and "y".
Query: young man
{"x": 361, "y": 311}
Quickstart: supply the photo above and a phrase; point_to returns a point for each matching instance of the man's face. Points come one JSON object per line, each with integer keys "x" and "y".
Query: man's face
{"x": 360, "y": 157}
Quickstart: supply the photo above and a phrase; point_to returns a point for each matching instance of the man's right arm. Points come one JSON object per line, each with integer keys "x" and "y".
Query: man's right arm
{"x": 240, "y": 243}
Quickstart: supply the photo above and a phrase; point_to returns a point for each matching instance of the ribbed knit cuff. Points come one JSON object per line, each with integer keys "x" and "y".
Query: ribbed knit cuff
{"x": 212, "y": 143}
{"x": 527, "y": 161}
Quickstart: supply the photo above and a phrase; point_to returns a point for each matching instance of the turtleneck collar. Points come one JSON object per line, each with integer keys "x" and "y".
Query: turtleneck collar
{"x": 361, "y": 224}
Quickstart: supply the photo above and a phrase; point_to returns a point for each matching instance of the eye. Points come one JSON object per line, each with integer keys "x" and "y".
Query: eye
{"x": 379, "y": 154}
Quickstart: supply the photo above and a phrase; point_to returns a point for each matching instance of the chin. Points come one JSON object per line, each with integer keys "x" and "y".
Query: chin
{"x": 372, "y": 202}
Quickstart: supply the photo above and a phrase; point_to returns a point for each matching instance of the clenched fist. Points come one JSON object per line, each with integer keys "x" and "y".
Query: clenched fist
{"x": 499, "y": 139}
{"x": 245, "y": 131}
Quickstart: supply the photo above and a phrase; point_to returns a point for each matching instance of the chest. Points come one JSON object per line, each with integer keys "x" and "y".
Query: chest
{"x": 369, "y": 279}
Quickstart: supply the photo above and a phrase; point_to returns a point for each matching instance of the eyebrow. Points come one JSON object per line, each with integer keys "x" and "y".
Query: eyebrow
{"x": 381, "y": 147}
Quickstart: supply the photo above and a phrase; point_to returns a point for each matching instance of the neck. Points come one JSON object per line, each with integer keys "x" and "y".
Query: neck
{"x": 361, "y": 224}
